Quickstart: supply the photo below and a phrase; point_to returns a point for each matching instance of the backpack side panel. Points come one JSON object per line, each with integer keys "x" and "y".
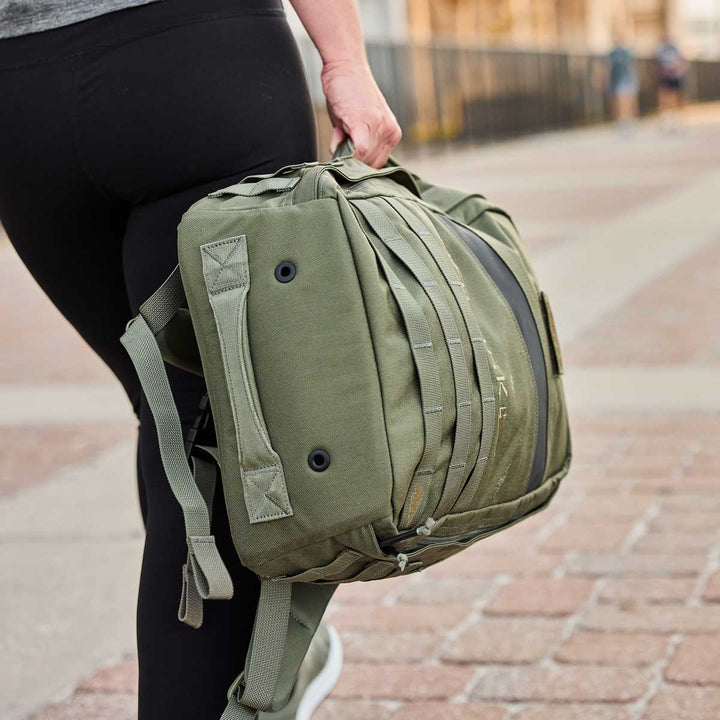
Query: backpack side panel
{"x": 315, "y": 372}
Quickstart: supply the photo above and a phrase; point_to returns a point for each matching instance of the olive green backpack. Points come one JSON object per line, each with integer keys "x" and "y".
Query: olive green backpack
{"x": 384, "y": 380}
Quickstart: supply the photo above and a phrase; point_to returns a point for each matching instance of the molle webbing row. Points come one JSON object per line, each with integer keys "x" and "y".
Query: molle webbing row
{"x": 379, "y": 219}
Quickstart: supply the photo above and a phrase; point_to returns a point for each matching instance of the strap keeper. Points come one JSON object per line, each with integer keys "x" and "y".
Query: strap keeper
{"x": 212, "y": 580}
{"x": 204, "y": 577}
{"x": 190, "y": 611}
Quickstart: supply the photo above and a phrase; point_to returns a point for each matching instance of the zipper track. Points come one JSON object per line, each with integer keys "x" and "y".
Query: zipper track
{"x": 463, "y": 537}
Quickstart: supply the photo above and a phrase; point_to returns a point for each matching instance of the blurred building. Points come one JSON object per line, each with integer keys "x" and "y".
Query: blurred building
{"x": 700, "y": 27}
{"x": 572, "y": 25}
{"x": 484, "y": 69}
{"x": 549, "y": 24}
{"x": 568, "y": 25}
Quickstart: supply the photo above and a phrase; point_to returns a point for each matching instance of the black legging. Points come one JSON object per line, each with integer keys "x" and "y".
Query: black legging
{"x": 109, "y": 130}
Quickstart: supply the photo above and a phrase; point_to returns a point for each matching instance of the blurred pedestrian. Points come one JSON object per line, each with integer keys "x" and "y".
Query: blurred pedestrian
{"x": 671, "y": 70}
{"x": 116, "y": 116}
{"x": 623, "y": 85}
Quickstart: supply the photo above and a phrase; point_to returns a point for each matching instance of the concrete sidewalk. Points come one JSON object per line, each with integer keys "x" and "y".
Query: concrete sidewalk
{"x": 601, "y": 608}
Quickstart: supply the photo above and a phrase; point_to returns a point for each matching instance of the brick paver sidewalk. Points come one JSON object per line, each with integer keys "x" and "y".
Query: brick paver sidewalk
{"x": 607, "y": 605}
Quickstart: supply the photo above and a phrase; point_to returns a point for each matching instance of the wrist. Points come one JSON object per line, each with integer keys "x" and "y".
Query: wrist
{"x": 356, "y": 64}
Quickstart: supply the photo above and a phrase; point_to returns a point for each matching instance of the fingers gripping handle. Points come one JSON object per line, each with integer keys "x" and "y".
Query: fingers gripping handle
{"x": 346, "y": 149}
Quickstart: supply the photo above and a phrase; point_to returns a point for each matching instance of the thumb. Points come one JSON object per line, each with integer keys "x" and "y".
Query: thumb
{"x": 338, "y": 135}
{"x": 362, "y": 141}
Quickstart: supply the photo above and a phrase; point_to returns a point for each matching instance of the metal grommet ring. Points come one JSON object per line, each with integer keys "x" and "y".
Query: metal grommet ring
{"x": 285, "y": 272}
{"x": 319, "y": 460}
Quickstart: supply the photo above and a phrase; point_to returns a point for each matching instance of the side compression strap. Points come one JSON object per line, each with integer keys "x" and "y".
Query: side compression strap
{"x": 205, "y": 569}
{"x": 423, "y": 352}
{"x": 262, "y": 668}
{"x": 386, "y": 231}
{"x": 482, "y": 364}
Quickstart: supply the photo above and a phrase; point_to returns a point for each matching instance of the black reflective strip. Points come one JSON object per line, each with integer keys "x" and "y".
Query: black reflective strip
{"x": 508, "y": 285}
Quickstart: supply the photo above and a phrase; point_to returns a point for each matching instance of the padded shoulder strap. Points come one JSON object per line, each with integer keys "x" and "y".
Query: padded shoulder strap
{"x": 205, "y": 568}
{"x": 287, "y": 618}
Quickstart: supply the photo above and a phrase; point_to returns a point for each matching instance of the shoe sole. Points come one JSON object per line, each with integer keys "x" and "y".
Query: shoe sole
{"x": 323, "y": 683}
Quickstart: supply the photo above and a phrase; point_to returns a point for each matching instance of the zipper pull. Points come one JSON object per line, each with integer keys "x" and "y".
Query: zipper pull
{"x": 426, "y": 528}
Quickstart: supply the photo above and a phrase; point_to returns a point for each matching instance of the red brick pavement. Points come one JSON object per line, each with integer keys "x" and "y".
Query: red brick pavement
{"x": 545, "y": 622}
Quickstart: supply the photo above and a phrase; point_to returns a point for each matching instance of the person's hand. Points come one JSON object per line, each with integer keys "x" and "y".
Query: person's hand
{"x": 358, "y": 109}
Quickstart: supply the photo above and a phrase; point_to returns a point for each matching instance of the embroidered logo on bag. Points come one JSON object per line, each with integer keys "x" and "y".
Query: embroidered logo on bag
{"x": 503, "y": 394}
{"x": 415, "y": 500}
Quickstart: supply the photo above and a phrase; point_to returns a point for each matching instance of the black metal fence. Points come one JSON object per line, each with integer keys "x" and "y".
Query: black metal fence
{"x": 448, "y": 92}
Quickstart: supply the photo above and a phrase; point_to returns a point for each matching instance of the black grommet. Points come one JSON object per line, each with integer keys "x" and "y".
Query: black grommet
{"x": 285, "y": 272}
{"x": 319, "y": 460}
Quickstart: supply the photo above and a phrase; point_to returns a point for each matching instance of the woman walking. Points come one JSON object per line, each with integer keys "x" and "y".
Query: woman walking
{"x": 116, "y": 116}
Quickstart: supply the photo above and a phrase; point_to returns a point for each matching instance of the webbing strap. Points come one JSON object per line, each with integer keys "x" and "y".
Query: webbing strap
{"x": 479, "y": 345}
{"x": 208, "y": 571}
{"x": 145, "y": 355}
{"x": 195, "y": 586}
{"x": 384, "y": 228}
{"x": 423, "y": 352}
{"x": 262, "y": 668}
{"x": 227, "y": 277}
{"x": 160, "y": 308}
{"x": 245, "y": 189}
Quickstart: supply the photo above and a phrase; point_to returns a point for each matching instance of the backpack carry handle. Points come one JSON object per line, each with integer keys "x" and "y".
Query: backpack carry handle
{"x": 226, "y": 271}
{"x": 346, "y": 149}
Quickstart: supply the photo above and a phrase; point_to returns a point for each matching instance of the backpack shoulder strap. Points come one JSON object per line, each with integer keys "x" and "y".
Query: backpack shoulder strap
{"x": 287, "y": 618}
{"x": 205, "y": 569}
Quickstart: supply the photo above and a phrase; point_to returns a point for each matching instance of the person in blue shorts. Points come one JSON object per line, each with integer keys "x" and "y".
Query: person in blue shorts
{"x": 623, "y": 85}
